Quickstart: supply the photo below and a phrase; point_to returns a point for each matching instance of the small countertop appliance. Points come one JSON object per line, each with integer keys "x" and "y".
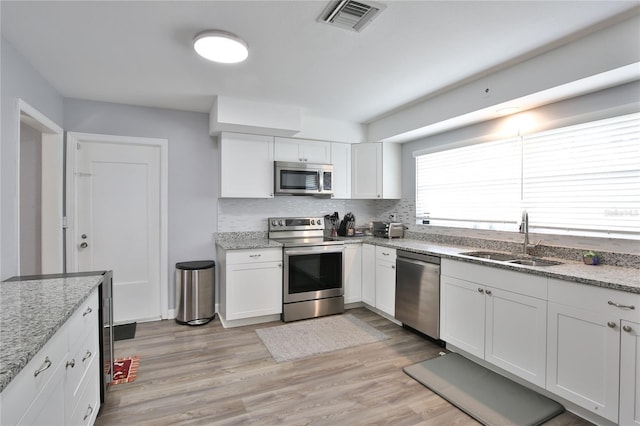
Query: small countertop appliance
{"x": 388, "y": 229}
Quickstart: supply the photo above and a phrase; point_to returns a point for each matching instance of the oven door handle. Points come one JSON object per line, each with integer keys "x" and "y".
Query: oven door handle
{"x": 296, "y": 251}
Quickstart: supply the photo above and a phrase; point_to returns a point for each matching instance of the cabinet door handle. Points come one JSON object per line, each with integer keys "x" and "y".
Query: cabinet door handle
{"x": 627, "y": 328}
{"x": 393, "y": 266}
{"x": 86, "y": 356}
{"x": 488, "y": 292}
{"x": 480, "y": 290}
{"x": 617, "y": 305}
{"x": 45, "y": 365}
{"x": 255, "y": 255}
{"x": 71, "y": 363}
{"x": 385, "y": 254}
{"x": 89, "y": 411}
{"x": 87, "y": 311}
{"x": 611, "y": 324}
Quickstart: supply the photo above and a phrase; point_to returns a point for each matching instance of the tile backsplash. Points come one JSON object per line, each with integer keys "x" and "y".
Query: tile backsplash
{"x": 250, "y": 215}
{"x": 405, "y": 211}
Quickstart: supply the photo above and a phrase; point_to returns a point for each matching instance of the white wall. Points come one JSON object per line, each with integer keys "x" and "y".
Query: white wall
{"x": 18, "y": 80}
{"x": 30, "y": 200}
{"x": 193, "y": 178}
{"x": 608, "y": 49}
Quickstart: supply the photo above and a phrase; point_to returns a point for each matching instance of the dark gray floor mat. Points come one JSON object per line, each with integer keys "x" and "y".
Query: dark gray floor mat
{"x": 124, "y": 331}
{"x": 486, "y": 396}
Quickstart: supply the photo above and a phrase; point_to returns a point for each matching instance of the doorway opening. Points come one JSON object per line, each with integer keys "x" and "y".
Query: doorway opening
{"x": 40, "y": 189}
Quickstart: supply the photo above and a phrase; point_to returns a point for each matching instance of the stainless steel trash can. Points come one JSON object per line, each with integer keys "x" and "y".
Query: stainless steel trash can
{"x": 195, "y": 292}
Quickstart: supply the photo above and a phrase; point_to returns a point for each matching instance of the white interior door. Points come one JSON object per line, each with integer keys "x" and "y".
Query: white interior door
{"x": 119, "y": 220}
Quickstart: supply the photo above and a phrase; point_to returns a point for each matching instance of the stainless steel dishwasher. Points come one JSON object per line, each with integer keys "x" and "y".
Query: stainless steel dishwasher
{"x": 418, "y": 292}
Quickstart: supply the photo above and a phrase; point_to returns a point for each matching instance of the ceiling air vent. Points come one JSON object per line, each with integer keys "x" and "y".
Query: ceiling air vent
{"x": 350, "y": 14}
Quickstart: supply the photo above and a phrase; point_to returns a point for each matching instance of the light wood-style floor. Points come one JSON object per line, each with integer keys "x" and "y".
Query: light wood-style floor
{"x": 210, "y": 375}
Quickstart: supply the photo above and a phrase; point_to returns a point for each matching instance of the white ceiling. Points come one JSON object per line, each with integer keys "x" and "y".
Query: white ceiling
{"x": 140, "y": 53}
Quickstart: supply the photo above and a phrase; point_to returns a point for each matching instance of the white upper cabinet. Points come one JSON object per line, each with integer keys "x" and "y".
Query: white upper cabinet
{"x": 246, "y": 166}
{"x": 375, "y": 169}
{"x": 341, "y": 160}
{"x": 303, "y": 151}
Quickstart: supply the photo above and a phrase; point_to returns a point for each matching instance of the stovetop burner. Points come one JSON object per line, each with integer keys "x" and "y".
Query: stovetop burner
{"x": 307, "y": 241}
{"x": 299, "y": 231}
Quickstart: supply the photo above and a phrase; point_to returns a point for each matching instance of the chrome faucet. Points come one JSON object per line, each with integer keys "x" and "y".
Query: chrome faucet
{"x": 524, "y": 229}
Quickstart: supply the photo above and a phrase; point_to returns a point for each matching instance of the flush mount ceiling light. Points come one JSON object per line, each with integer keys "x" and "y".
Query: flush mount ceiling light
{"x": 220, "y": 46}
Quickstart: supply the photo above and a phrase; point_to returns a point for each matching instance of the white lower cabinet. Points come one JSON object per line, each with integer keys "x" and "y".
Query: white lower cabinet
{"x": 504, "y": 327}
{"x": 462, "y": 313}
{"x": 386, "y": 280}
{"x": 353, "y": 273}
{"x": 250, "y": 283}
{"x": 379, "y": 278}
{"x": 57, "y": 381}
{"x": 630, "y": 373}
{"x": 593, "y": 349}
{"x": 369, "y": 274}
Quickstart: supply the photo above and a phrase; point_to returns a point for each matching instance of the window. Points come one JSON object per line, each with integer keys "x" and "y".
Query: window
{"x": 581, "y": 180}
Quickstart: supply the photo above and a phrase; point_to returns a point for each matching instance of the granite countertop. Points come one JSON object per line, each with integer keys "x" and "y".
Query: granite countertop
{"x": 607, "y": 276}
{"x": 31, "y": 311}
{"x": 249, "y": 243}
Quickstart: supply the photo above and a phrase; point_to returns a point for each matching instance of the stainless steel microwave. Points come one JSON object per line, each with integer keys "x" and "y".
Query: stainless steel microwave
{"x": 293, "y": 178}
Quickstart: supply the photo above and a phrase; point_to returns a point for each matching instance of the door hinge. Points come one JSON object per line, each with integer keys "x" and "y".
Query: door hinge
{"x": 65, "y": 223}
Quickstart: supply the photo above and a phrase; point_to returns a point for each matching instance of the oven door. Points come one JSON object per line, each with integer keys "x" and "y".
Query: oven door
{"x": 313, "y": 272}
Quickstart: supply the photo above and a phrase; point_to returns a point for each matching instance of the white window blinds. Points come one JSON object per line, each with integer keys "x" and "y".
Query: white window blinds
{"x": 474, "y": 184}
{"x": 582, "y": 180}
{"x": 584, "y": 177}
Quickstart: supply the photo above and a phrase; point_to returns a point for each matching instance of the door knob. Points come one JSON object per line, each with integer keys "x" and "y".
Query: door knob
{"x": 84, "y": 245}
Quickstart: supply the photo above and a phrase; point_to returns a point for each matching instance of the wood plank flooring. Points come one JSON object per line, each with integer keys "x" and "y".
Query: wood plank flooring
{"x": 209, "y": 375}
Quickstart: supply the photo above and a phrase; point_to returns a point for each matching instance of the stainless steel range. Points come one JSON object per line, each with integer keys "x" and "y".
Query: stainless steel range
{"x": 313, "y": 268}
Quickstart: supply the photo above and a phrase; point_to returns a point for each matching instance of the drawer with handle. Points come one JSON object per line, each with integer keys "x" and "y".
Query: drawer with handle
{"x": 33, "y": 378}
{"x": 254, "y": 256}
{"x": 84, "y": 319}
{"x": 385, "y": 253}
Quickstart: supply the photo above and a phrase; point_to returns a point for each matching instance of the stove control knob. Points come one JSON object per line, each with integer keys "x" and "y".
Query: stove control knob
{"x": 313, "y": 222}
{"x": 319, "y": 222}
{"x": 281, "y": 223}
{"x": 274, "y": 222}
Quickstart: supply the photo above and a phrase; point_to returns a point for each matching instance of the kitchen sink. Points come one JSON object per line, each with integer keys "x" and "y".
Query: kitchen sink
{"x": 491, "y": 255}
{"x": 534, "y": 262}
{"x": 511, "y": 258}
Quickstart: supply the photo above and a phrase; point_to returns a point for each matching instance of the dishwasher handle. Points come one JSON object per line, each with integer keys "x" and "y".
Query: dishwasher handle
{"x": 417, "y": 258}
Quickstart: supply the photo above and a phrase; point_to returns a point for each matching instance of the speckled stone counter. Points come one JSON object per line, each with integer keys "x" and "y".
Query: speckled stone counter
{"x": 607, "y": 276}
{"x": 31, "y": 311}
{"x": 245, "y": 240}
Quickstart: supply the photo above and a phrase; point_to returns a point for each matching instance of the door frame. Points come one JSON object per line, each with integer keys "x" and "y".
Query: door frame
{"x": 72, "y": 139}
{"x": 52, "y": 190}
